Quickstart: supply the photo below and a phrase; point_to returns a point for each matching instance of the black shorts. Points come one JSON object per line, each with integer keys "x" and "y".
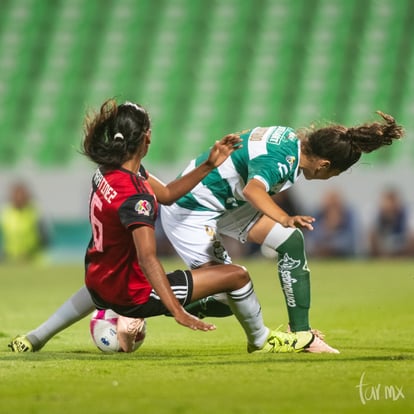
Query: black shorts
{"x": 181, "y": 282}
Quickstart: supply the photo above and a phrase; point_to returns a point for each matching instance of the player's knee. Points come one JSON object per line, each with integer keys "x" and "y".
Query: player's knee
{"x": 294, "y": 242}
{"x": 240, "y": 274}
{"x": 278, "y": 236}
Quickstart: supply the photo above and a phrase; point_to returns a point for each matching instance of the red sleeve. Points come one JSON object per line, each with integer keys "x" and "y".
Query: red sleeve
{"x": 139, "y": 209}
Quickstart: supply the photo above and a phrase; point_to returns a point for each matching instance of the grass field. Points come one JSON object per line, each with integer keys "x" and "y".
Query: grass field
{"x": 365, "y": 308}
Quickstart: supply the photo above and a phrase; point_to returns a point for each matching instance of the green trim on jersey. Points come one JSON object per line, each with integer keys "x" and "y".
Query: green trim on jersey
{"x": 270, "y": 154}
{"x": 190, "y": 202}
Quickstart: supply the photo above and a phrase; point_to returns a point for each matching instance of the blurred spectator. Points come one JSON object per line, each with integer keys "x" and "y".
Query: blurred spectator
{"x": 390, "y": 233}
{"x": 334, "y": 233}
{"x": 24, "y": 235}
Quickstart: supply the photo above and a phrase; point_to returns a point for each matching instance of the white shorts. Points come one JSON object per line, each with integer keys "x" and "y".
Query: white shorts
{"x": 195, "y": 235}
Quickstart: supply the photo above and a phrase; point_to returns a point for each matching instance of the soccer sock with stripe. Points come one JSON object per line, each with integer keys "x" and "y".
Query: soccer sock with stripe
{"x": 294, "y": 274}
{"x": 246, "y": 307}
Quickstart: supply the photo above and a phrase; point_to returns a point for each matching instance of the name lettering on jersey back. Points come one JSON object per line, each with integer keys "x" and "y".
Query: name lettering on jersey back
{"x": 273, "y": 135}
{"x": 108, "y": 193}
{"x": 279, "y": 134}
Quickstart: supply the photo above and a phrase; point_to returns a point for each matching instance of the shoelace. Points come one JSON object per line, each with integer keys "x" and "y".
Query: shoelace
{"x": 282, "y": 341}
{"x": 19, "y": 346}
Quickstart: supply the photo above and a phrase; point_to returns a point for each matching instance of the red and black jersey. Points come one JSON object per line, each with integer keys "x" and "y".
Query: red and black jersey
{"x": 119, "y": 202}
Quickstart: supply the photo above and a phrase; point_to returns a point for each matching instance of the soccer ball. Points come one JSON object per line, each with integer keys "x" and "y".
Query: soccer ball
{"x": 103, "y": 331}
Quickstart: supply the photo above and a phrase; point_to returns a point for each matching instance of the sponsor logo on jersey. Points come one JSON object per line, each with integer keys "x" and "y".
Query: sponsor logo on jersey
{"x": 291, "y": 160}
{"x": 219, "y": 251}
{"x": 280, "y": 133}
{"x": 143, "y": 207}
{"x": 290, "y": 135}
{"x": 258, "y": 134}
{"x": 210, "y": 232}
{"x": 277, "y": 135}
{"x": 231, "y": 202}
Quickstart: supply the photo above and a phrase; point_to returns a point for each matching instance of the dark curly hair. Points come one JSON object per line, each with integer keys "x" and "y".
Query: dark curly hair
{"x": 344, "y": 146}
{"x": 114, "y": 135}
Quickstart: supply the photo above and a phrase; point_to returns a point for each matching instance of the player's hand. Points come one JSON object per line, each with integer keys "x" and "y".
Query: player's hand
{"x": 298, "y": 221}
{"x": 222, "y": 149}
{"x": 186, "y": 319}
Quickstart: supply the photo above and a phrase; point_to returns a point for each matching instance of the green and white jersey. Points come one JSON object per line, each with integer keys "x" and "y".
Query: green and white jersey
{"x": 269, "y": 154}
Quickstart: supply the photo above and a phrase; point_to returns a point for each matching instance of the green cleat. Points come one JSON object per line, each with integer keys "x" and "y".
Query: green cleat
{"x": 21, "y": 344}
{"x": 283, "y": 342}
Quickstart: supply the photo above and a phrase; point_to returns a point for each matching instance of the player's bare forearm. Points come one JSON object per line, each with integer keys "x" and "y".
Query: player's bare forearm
{"x": 155, "y": 273}
{"x": 181, "y": 186}
{"x": 256, "y": 195}
{"x": 145, "y": 244}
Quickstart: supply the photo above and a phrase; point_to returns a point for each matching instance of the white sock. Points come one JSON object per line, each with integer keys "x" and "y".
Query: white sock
{"x": 244, "y": 304}
{"x": 73, "y": 310}
{"x": 221, "y": 297}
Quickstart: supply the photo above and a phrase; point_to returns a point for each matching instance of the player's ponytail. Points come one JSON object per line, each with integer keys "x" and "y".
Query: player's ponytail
{"x": 369, "y": 137}
{"x": 114, "y": 135}
{"x": 344, "y": 146}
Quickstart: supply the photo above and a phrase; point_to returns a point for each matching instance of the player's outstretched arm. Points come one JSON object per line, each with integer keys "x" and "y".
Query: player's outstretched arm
{"x": 169, "y": 193}
{"x": 256, "y": 195}
{"x": 222, "y": 149}
{"x": 144, "y": 240}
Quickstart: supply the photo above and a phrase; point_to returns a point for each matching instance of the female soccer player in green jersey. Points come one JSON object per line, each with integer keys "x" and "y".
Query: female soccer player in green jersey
{"x": 235, "y": 199}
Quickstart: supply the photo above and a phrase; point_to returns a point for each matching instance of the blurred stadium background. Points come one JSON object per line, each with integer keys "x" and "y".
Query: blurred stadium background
{"x": 202, "y": 68}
